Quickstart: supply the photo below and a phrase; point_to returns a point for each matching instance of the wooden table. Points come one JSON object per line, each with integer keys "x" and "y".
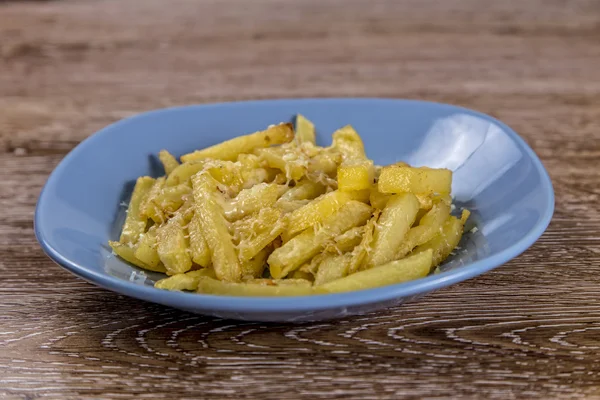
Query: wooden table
{"x": 529, "y": 330}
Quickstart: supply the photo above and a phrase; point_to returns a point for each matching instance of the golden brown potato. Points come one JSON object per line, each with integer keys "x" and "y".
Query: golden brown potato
{"x": 422, "y": 180}
{"x": 355, "y": 175}
{"x": 429, "y": 226}
{"x": 445, "y": 242}
{"x": 305, "y": 130}
{"x": 198, "y": 245}
{"x": 208, "y": 285}
{"x": 231, "y": 149}
{"x": 320, "y": 209}
{"x": 168, "y": 161}
{"x": 146, "y": 249}
{"x": 135, "y": 222}
{"x": 396, "y": 219}
{"x": 215, "y": 228}
{"x": 257, "y": 239}
{"x": 273, "y": 214}
{"x": 173, "y": 246}
{"x": 187, "y": 281}
{"x": 127, "y": 253}
{"x": 307, "y": 244}
{"x": 414, "y": 267}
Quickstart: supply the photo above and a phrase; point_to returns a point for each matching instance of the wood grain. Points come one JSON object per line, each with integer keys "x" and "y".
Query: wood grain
{"x": 529, "y": 330}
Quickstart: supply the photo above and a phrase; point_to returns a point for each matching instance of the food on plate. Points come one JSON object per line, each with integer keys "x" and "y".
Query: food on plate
{"x": 273, "y": 214}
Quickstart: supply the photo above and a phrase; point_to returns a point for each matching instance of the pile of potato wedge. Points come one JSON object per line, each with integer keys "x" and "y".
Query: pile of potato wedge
{"x": 273, "y": 214}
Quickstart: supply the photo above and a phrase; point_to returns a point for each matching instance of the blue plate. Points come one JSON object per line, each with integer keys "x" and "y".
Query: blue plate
{"x": 496, "y": 176}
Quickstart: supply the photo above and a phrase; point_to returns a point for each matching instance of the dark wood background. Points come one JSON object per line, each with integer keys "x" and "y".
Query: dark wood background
{"x": 529, "y": 330}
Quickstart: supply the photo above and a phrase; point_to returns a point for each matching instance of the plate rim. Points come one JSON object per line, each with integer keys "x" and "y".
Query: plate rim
{"x": 296, "y": 304}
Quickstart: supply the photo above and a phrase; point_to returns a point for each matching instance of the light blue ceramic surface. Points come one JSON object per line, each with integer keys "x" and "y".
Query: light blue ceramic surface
{"x": 496, "y": 176}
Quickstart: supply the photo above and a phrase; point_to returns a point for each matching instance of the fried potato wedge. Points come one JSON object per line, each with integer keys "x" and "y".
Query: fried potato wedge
{"x": 127, "y": 253}
{"x": 396, "y": 219}
{"x": 208, "y": 285}
{"x": 146, "y": 249}
{"x": 150, "y": 208}
{"x": 444, "y": 243}
{"x": 273, "y": 226}
{"x": 361, "y": 252}
{"x": 184, "y": 172}
{"x": 231, "y": 149}
{"x": 355, "y": 175}
{"x": 323, "y": 166}
{"x": 429, "y": 226}
{"x": 135, "y": 222}
{"x": 215, "y": 228}
{"x": 346, "y": 241}
{"x": 349, "y": 143}
{"x": 168, "y": 161}
{"x": 410, "y": 268}
{"x": 332, "y": 267}
{"x": 173, "y": 246}
{"x": 198, "y": 244}
{"x": 292, "y": 164}
{"x": 171, "y": 198}
{"x": 307, "y": 244}
{"x": 188, "y": 281}
{"x": 251, "y": 200}
{"x": 317, "y": 211}
{"x": 305, "y": 130}
{"x": 304, "y": 190}
{"x": 425, "y": 181}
